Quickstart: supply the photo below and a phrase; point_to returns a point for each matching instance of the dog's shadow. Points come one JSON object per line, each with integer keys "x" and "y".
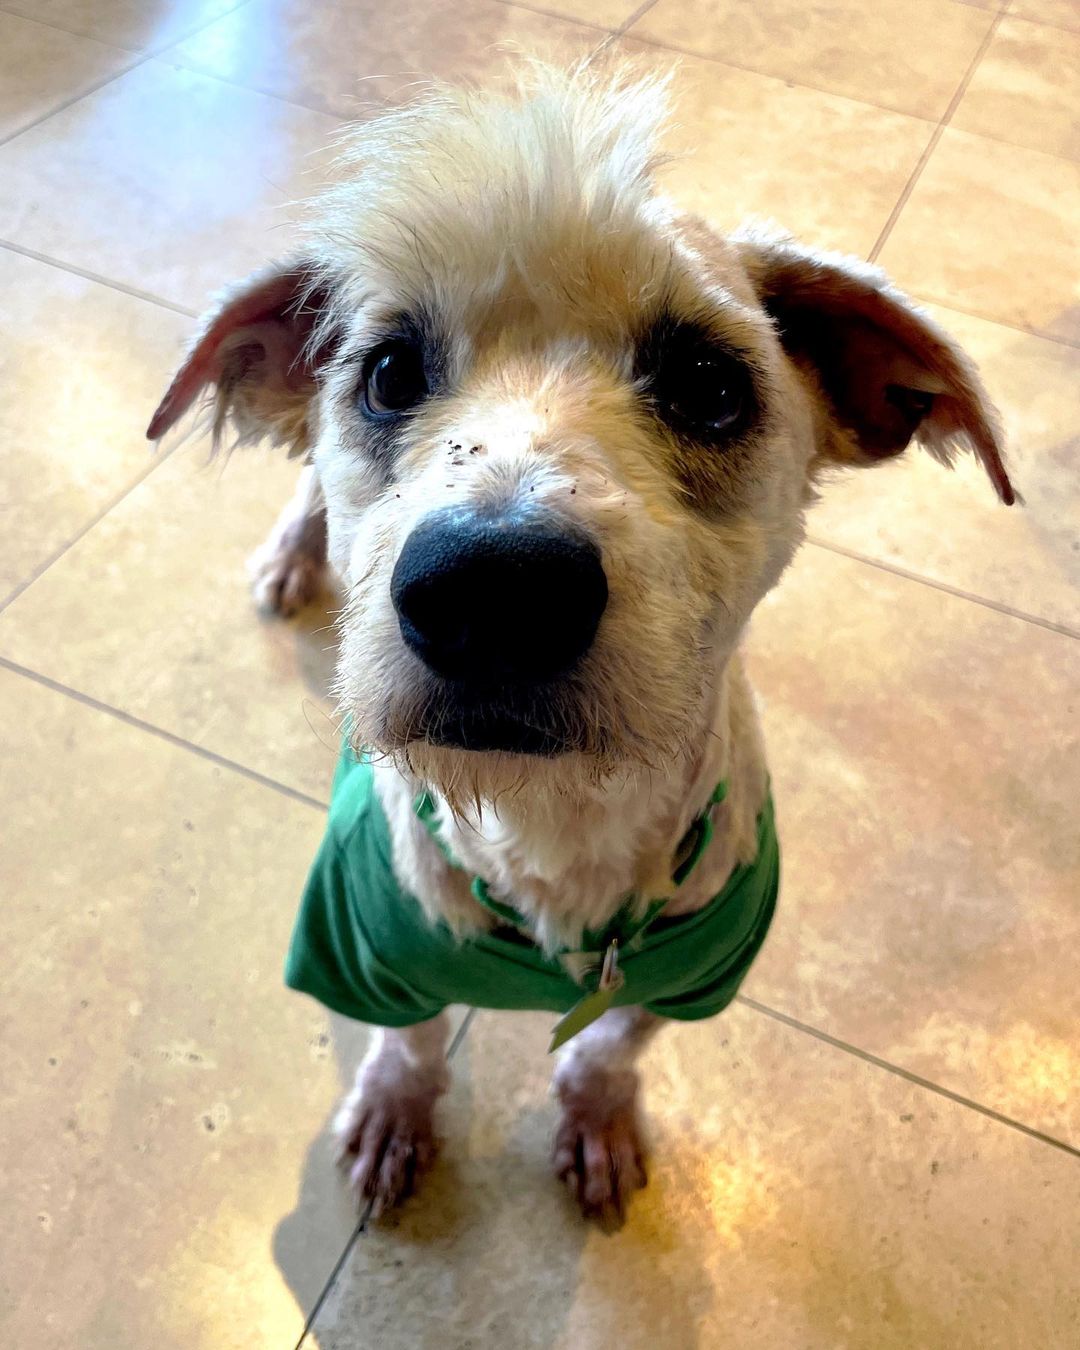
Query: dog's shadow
{"x": 434, "y": 1272}
{"x": 492, "y": 1250}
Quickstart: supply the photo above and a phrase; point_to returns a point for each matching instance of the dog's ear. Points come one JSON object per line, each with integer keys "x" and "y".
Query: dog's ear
{"x": 887, "y": 373}
{"x": 259, "y": 354}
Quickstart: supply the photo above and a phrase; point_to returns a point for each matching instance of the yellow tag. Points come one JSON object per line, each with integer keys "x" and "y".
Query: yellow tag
{"x": 584, "y": 1011}
{"x": 592, "y": 1006}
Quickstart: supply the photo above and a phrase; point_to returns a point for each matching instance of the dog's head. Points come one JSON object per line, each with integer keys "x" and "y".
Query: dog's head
{"x": 566, "y": 435}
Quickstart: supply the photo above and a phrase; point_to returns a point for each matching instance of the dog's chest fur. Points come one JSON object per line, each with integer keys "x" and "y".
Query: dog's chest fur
{"x": 567, "y": 864}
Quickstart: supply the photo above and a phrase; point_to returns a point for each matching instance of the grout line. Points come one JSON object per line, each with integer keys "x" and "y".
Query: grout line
{"x": 156, "y": 460}
{"x": 331, "y": 1279}
{"x": 192, "y": 67}
{"x": 936, "y": 135}
{"x": 118, "y": 74}
{"x": 615, "y": 30}
{"x": 199, "y": 27}
{"x": 129, "y": 719}
{"x": 1042, "y": 334}
{"x": 763, "y": 1009}
{"x": 141, "y": 58}
{"x": 59, "y": 28}
{"x": 161, "y": 54}
{"x": 7, "y": 8}
{"x": 460, "y": 1034}
{"x": 1041, "y": 23}
{"x": 363, "y": 108}
{"x": 787, "y": 80}
{"x": 996, "y": 605}
{"x": 365, "y": 1217}
{"x": 908, "y": 1076}
{"x": 608, "y": 36}
{"x": 551, "y": 14}
{"x": 1016, "y": 145}
{"x": 638, "y": 13}
{"x": 134, "y": 291}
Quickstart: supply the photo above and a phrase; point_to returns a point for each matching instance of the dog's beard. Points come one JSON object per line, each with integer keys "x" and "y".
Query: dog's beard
{"x": 469, "y": 779}
{"x": 486, "y": 746}
{"x": 590, "y": 736}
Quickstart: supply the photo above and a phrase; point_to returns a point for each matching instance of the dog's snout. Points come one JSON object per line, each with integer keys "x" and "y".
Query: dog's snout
{"x": 512, "y": 598}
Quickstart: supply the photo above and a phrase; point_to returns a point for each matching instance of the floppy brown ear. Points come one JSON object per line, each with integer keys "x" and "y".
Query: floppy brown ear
{"x": 259, "y": 354}
{"x": 889, "y": 374}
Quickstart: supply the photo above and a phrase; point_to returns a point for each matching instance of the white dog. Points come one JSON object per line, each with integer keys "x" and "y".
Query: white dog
{"x": 561, "y": 440}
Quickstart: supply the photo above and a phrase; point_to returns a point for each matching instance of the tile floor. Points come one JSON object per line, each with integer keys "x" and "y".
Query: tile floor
{"x": 878, "y": 1145}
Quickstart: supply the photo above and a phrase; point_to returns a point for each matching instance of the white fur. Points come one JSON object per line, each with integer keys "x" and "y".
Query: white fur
{"x": 286, "y": 569}
{"x": 525, "y": 229}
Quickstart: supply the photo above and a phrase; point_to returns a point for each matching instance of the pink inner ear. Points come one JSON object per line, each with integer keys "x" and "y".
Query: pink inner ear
{"x": 266, "y": 300}
{"x": 843, "y": 293}
{"x": 969, "y": 415}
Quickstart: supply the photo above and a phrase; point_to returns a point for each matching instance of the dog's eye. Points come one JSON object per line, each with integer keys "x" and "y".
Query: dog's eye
{"x": 395, "y": 379}
{"x": 702, "y": 388}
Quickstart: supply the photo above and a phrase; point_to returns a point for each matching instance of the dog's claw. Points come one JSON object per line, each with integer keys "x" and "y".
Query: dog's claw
{"x": 284, "y": 579}
{"x": 384, "y": 1149}
{"x": 600, "y": 1156}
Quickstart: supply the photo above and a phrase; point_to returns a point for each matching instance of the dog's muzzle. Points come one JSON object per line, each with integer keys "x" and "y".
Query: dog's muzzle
{"x": 499, "y": 609}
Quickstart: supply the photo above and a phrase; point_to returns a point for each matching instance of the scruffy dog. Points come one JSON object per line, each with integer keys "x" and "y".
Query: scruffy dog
{"x": 560, "y": 439}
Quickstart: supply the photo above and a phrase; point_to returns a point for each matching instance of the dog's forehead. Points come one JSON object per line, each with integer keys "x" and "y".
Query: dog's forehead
{"x": 538, "y": 265}
{"x": 540, "y": 200}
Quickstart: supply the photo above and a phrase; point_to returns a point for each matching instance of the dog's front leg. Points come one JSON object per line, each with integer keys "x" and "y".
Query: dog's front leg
{"x": 385, "y": 1127}
{"x": 287, "y": 570}
{"x": 598, "y": 1145}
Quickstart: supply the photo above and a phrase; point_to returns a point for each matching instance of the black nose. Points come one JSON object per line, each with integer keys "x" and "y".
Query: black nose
{"x": 512, "y": 598}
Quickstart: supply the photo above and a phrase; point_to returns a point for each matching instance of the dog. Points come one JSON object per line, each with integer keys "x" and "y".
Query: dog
{"x": 560, "y": 439}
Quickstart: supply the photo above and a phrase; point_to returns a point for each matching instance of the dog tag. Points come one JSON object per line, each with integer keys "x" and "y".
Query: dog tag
{"x": 593, "y": 1005}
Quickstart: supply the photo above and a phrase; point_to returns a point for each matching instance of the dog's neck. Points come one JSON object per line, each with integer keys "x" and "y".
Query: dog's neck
{"x": 567, "y": 862}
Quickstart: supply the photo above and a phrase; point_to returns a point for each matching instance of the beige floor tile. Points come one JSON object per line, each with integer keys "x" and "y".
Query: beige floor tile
{"x": 164, "y": 1181}
{"x": 1064, "y": 13}
{"x": 138, "y": 25}
{"x": 167, "y": 180}
{"x": 867, "y": 52}
{"x": 42, "y": 67}
{"x": 340, "y": 57}
{"x": 738, "y": 135}
{"x": 153, "y": 604}
{"x": 950, "y": 526}
{"x": 798, "y": 1197}
{"x": 1026, "y": 89}
{"x": 79, "y": 366}
{"x": 603, "y": 13}
{"x": 926, "y": 757}
{"x": 991, "y": 228}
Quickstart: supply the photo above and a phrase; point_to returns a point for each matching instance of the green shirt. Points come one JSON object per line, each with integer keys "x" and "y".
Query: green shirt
{"x": 364, "y": 947}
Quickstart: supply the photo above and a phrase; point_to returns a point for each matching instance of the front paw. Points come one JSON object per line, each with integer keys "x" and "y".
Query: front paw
{"x": 286, "y": 574}
{"x": 599, "y": 1152}
{"x": 385, "y": 1141}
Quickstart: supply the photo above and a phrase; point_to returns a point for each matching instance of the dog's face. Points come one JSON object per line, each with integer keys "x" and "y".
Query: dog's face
{"x": 566, "y": 437}
{"x": 562, "y": 461}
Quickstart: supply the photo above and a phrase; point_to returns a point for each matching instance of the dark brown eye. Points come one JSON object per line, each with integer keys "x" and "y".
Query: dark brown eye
{"x": 697, "y": 386}
{"x": 395, "y": 379}
{"x": 702, "y": 389}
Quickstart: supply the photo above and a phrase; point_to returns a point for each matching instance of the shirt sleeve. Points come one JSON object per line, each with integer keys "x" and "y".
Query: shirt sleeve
{"x": 332, "y": 956}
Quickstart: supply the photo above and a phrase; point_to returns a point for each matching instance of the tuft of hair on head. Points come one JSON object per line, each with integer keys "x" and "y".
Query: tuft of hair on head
{"x": 574, "y": 147}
